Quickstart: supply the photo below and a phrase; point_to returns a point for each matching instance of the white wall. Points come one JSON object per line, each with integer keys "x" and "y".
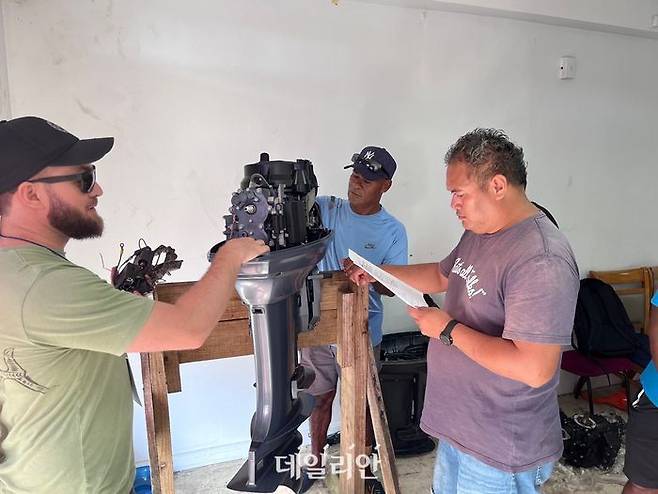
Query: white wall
{"x": 635, "y": 18}
{"x": 5, "y": 110}
{"x": 194, "y": 90}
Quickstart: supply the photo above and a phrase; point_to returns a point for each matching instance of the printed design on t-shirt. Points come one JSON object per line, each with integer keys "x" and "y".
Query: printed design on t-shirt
{"x": 469, "y": 276}
{"x": 369, "y": 245}
{"x": 14, "y": 372}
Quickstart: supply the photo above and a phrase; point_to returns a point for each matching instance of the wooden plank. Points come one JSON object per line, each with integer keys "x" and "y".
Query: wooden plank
{"x": 232, "y": 339}
{"x": 380, "y": 427}
{"x": 353, "y": 342}
{"x": 170, "y": 292}
{"x": 649, "y": 291}
{"x": 619, "y": 277}
{"x": 172, "y": 371}
{"x": 629, "y": 291}
{"x": 323, "y": 334}
{"x": 345, "y": 351}
{"x": 157, "y": 423}
{"x": 331, "y": 288}
{"x": 228, "y": 339}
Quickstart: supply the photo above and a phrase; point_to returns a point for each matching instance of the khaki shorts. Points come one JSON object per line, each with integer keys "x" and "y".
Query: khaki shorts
{"x": 322, "y": 359}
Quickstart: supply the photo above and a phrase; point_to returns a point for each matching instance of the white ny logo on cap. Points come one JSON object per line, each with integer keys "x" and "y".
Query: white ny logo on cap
{"x": 55, "y": 126}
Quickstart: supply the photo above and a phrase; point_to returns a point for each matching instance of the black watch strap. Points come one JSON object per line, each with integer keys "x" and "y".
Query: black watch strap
{"x": 445, "y": 336}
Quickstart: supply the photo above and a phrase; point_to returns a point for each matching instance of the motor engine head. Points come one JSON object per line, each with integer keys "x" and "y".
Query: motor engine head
{"x": 276, "y": 204}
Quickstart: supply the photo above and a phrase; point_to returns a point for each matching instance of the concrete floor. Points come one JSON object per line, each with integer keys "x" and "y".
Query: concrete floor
{"x": 415, "y": 473}
{"x": 415, "y": 476}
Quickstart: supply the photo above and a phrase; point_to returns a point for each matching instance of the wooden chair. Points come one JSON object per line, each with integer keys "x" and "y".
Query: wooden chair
{"x": 631, "y": 283}
{"x": 634, "y": 283}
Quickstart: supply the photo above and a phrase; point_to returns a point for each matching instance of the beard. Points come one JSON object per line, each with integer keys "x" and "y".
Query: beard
{"x": 71, "y": 222}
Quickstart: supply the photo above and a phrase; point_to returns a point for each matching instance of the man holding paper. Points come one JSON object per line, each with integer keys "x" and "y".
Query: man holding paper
{"x": 511, "y": 285}
{"x": 359, "y": 223}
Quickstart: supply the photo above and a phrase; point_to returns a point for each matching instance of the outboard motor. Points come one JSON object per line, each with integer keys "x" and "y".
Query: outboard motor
{"x": 276, "y": 203}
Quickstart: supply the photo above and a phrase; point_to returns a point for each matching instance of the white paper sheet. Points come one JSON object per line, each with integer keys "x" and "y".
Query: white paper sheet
{"x": 408, "y": 294}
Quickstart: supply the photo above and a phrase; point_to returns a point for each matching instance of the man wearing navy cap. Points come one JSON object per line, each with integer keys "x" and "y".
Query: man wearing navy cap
{"x": 65, "y": 395}
{"x": 359, "y": 223}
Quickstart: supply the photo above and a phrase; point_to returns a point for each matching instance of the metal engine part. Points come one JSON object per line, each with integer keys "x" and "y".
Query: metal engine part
{"x": 276, "y": 203}
{"x": 145, "y": 268}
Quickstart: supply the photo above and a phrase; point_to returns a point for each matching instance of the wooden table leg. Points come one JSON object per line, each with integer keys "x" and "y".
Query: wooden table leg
{"x": 353, "y": 343}
{"x": 156, "y": 406}
{"x": 380, "y": 426}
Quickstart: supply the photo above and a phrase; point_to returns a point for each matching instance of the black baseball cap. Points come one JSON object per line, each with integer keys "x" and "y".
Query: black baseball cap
{"x": 373, "y": 163}
{"x": 30, "y": 144}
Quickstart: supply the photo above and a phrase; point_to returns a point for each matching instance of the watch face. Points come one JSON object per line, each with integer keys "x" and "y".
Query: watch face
{"x": 446, "y": 339}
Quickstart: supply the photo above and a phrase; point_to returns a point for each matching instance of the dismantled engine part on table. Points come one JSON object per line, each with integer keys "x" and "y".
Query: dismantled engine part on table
{"x": 145, "y": 268}
{"x": 276, "y": 203}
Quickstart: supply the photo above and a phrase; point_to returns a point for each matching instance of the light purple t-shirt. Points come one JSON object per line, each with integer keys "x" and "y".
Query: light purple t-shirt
{"x": 519, "y": 284}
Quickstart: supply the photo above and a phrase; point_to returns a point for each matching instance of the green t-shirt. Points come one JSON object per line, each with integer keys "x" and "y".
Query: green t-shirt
{"x": 65, "y": 397}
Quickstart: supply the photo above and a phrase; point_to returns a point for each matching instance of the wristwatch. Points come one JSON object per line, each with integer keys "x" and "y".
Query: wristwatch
{"x": 445, "y": 336}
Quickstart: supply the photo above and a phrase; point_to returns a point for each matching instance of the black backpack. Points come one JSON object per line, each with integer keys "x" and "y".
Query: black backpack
{"x": 601, "y": 325}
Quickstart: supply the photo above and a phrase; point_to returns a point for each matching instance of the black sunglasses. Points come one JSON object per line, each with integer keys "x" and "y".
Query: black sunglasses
{"x": 86, "y": 179}
{"x": 370, "y": 164}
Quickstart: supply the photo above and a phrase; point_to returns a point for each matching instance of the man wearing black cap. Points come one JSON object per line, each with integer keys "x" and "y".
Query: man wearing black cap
{"x": 359, "y": 223}
{"x": 65, "y": 397}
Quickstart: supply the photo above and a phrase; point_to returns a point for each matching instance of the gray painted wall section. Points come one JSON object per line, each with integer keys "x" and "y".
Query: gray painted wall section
{"x": 5, "y": 108}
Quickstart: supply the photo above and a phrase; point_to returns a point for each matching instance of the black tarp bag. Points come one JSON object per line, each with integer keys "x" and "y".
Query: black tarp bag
{"x": 591, "y": 441}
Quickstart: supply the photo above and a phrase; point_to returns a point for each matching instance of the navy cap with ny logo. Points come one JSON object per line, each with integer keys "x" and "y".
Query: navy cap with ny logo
{"x": 373, "y": 163}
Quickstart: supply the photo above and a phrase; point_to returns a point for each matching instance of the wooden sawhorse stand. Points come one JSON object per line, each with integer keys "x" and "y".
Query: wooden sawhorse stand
{"x": 343, "y": 320}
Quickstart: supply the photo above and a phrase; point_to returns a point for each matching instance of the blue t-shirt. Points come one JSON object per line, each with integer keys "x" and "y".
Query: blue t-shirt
{"x": 379, "y": 238}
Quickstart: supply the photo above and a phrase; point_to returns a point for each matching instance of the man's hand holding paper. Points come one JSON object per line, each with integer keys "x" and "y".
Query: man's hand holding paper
{"x": 430, "y": 320}
{"x": 362, "y": 271}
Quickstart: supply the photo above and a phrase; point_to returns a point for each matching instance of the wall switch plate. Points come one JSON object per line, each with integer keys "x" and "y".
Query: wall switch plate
{"x": 567, "y": 68}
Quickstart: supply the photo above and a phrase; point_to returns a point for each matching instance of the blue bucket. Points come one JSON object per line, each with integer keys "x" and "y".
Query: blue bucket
{"x": 142, "y": 484}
